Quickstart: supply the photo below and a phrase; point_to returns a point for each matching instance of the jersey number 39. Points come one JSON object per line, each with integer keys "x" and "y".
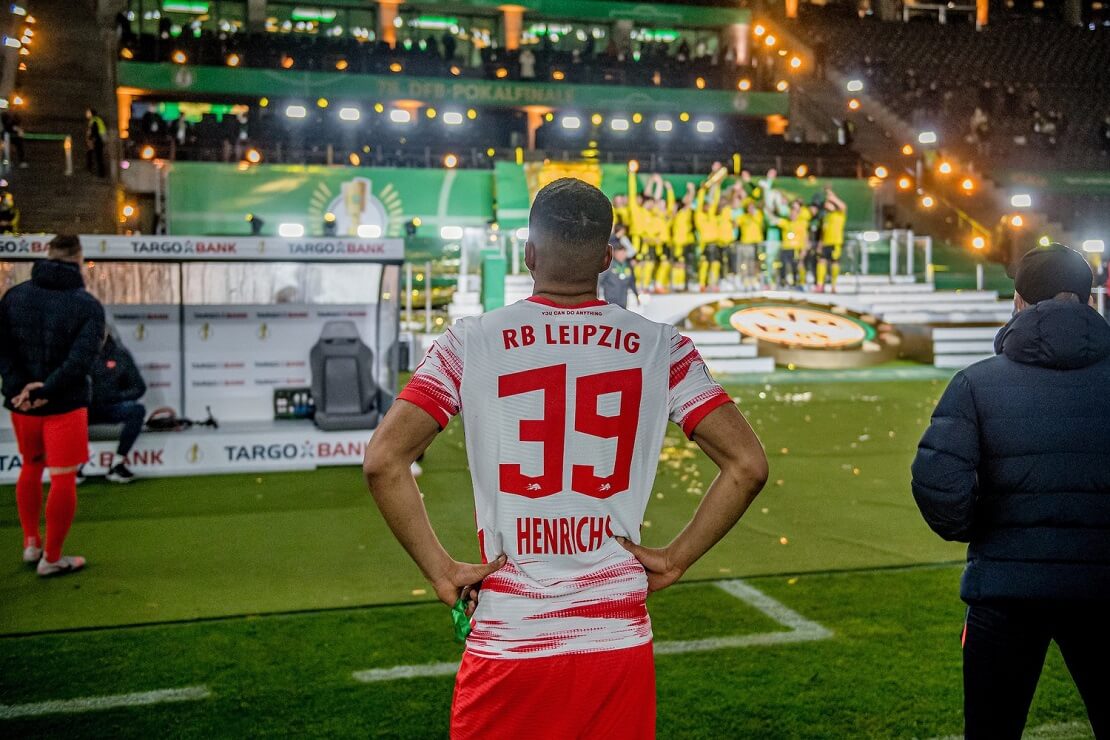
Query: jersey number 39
{"x": 550, "y": 430}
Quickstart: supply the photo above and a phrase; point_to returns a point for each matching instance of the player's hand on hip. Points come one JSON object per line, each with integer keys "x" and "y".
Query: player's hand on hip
{"x": 661, "y": 570}
{"x": 463, "y": 580}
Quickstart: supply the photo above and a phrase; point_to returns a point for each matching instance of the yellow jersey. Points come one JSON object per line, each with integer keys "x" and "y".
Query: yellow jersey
{"x": 725, "y": 232}
{"x": 620, "y": 213}
{"x": 832, "y": 228}
{"x": 751, "y": 227}
{"x": 795, "y": 231}
{"x": 682, "y": 228}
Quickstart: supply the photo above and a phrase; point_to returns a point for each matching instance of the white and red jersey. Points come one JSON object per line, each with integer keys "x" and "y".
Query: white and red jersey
{"x": 565, "y": 408}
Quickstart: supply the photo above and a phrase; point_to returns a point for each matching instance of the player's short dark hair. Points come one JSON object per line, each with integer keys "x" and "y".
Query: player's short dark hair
{"x": 64, "y": 246}
{"x": 570, "y": 223}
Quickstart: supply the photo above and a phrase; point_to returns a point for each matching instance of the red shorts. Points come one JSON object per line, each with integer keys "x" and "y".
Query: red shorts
{"x": 55, "y": 440}
{"x": 608, "y": 695}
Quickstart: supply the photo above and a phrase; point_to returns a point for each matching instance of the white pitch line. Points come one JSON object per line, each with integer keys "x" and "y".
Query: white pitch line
{"x": 425, "y": 670}
{"x": 97, "y": 703}
{"x": 801, "y": 630}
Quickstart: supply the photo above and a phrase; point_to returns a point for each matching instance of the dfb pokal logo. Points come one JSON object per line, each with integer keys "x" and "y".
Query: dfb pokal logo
{"x": 194, "y": 454}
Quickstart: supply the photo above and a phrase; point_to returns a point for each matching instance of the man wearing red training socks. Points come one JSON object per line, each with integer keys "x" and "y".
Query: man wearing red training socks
{"x": 50, "y": 332}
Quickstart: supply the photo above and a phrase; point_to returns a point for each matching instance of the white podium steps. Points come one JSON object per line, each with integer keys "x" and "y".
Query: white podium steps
{"x": 739, "y": 365}
{"x": 960, "y": 346}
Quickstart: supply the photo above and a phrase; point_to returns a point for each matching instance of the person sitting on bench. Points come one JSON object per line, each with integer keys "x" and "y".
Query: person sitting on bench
{"x": 117, "y": 387}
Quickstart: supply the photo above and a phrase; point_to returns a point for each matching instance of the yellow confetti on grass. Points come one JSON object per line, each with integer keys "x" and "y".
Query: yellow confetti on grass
{"x": 419, "y": 591}
{"x": 783, "y": 541}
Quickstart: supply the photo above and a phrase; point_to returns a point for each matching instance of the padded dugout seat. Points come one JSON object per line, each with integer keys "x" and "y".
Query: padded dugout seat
{"x": 343, "y": 386}
{"x": 105, "y": 432}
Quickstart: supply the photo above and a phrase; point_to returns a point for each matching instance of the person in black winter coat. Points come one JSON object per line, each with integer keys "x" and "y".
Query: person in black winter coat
{"x": 117, "y": 387}
{"x": 50, "y": 333}
{"x": 1016, "y": 462}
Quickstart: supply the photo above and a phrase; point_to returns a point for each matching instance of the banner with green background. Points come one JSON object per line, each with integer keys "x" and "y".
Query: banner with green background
{"x": 1062, "y": 182}
{"x": 224, "y": 81}
{"x": 210, "y": 198}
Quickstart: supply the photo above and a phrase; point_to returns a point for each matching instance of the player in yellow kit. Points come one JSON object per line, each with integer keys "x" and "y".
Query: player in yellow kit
{"x": 795, "y": 234}
{"x": 683, "y": 251}
{"x": 637, "y": 226}
{"x": 750, "y": 224}
{"x": 832, "y": 240}
{"x": 726, "y": 235}
{"x": 705, "y": 221}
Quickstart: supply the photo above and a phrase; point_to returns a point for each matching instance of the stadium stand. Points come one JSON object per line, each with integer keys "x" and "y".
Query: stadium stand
{"x": 1040, "y": 87}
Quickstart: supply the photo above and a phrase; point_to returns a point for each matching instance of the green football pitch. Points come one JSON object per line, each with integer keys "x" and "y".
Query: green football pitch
{"x": 280, "y": 605}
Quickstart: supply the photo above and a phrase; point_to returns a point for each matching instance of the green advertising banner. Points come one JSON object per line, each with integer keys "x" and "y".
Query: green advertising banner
{"x": 600, "y": 10}
{"x": 224, "y": 81}
{"x": 513, "y": 190}
{"x": 210, "y": 198}
{"x": 1065, "y": 183}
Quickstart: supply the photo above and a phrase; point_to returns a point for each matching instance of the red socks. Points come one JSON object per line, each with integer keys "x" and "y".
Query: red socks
{"x": 28, "y": 499}
{"x": 61, "y": 505}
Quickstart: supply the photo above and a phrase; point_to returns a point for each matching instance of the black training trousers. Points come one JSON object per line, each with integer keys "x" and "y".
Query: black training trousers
{"x": 1004, "y": 650}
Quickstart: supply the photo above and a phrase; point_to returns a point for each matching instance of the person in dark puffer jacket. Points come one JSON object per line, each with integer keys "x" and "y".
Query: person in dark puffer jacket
{"x": 1016, "y": 462}
{"x": 50, "y": 333}
{"x": 117, "y": 387}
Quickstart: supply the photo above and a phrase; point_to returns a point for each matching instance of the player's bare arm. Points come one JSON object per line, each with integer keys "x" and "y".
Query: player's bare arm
{"x": 729, "y": 441}
{"x": 402, "y": 436}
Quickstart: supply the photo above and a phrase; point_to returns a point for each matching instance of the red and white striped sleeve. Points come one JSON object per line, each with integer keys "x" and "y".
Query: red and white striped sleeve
{"x": 693, "y": 392}
{"x": 436, "y": 384}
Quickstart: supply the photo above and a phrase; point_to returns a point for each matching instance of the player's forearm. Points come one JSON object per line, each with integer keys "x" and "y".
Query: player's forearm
{"x": 728, "y": 497}
{"x": 398, "y": 498}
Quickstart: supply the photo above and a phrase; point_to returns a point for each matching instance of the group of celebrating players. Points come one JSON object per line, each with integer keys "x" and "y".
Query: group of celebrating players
{"x": 747, "y": 235}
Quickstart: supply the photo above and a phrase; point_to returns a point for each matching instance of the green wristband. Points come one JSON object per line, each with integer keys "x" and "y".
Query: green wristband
{"x": 460, "y": 621}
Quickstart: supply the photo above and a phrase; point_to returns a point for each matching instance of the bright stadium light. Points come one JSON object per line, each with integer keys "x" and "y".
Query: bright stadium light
{"x": 295, "y": 111}
{"x": 1017, "y": 221}
{"x": 871, "y": 236}
{"x": 1094, "y": 246}
{"x": 453, "y": 118}
{"x": 571, "y": 122}
{"x": 399, "y": 115}
{"x": 854, "y": 85}
{"x": 291, "y": 230}
{"x": 978, "y": 242}
{"x": 1021, "y": 200}
{"x": 522, "y": 233}
{"x": 349, "y": 114}
{"x": 1044, "y": 241}
{"x": 618, "y": 124}
{"x": 664, "y": 125}
{"x": 705, "y": 127}
{"x": 369, "y": 231}
{"x": 451, "y": 232}
{"x": 927, "y": 137}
